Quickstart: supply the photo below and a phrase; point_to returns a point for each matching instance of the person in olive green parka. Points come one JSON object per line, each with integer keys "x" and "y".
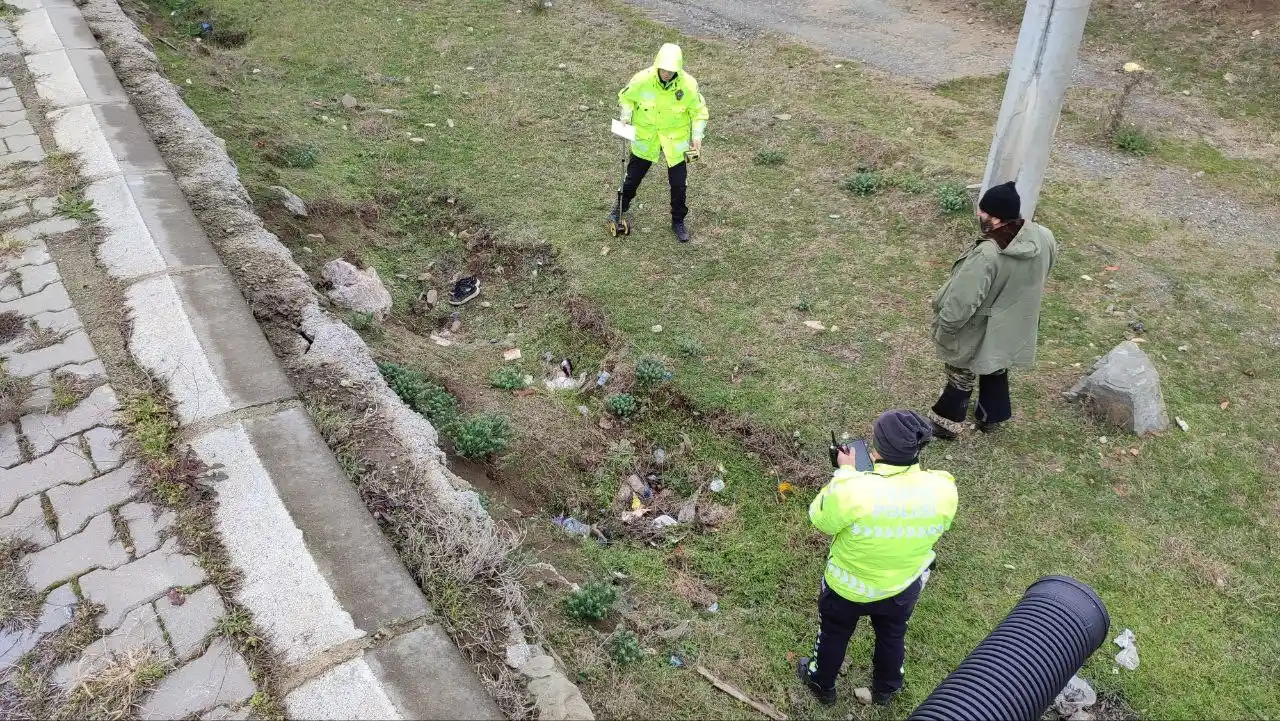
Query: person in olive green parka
{"x": 987, "y": 314}
{"x": 670, "y": 116}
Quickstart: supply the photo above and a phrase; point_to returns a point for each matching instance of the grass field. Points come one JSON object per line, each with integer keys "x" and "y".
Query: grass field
{"x": 511, "y": 174}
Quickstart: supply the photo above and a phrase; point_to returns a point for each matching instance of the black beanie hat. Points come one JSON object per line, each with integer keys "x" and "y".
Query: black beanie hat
{"x": 899, "y": 436}
{"x": 1002, "y": 201}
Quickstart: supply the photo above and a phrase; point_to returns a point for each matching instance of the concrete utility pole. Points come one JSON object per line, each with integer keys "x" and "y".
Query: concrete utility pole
{"x": 1038, "y": 80}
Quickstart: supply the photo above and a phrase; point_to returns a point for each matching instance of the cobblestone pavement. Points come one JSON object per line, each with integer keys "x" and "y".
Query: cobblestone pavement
{"x": 66, "y": 485}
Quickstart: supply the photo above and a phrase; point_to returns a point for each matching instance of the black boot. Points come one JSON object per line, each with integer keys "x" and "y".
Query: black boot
{"x": 883, "y": 699}
{"x": 681, "y": 230}
{"x": 825, "y": 696}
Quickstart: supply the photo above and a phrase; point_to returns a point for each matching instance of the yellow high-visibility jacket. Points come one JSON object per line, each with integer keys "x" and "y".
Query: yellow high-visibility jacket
{"x": 668, "y": 118}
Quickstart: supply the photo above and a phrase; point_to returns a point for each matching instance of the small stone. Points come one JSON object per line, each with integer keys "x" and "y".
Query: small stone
{"x": 349, "y": 102}
{"x": 432, "y": 296}
{"x": 863, "y": 695}
{"x": 1230, "y": 78}
{"x": 292, "y": 203}
{"x": 511, "y": 355}
{"x": 417, "y": 140}
{"x": 656, "y": 329}
{"x": 782, "y": 116}
{"x": 814, "y": 325}
{"x": 449, "y": 122}
{"x": 1182, "y": 424}
{"x": 1076, "y": 695}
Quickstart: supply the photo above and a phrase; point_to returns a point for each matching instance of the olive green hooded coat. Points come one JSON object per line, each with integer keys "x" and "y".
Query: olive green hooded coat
{"x": 987, "y": 314}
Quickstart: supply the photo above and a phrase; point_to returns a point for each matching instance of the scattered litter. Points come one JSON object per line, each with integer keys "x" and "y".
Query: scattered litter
{"x": 815, "y": 325}
{"x": 782, "y": 116}
{"x": 1128, "y": 656}
{"x": 784, "y": 488}
{"x": 566, "y": 367}
{"x": 639, "y": 487}
{"x": 863, "y": 695}
{"x": 1181, "y": 424}
{"x": 676, "y": 661}
{"x": 603, "y": 378}
{"x": 1138, "y": 326}
{"x": 604, "y": 250}
{"x": 511, "y": 355}
{"x": 1224, "y": 405}
{"x": 1077, "y": 695}
{"x": 1009, "y": 566}
{"x": 716, "y": 485}
{"x": 572, "y": 526}
{"x": 659, "y": 456}
{"x": 1133, "y": 67}
{"x": 176, "y": 597}
{"x": 417, "y": 140}
{"x": 664, "y": 521}
{"x": 733, "y": 691}
{"x": 1112, "y": 268}
{"x": 656, "y": 329}
{"x": 1229, "y": 77}
{"x": 834, "y": 216}
{"x": 1184, "y": 348}
{"x": 1102, "y": 440}
{"x": 449, "y": 122}
{"x": 714, "y": 607}
{"x": 1086, "y": 277}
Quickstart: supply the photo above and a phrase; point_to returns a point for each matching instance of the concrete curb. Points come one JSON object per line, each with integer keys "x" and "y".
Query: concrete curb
{"x": 318, "y": 575}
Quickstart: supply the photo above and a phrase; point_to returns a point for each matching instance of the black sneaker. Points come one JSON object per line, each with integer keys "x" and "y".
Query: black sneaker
{"x": 464, "y": 290}
{"x": 987, "y": 427}
{"x": 825, "y": 696}
{"x": 681, "y": 231}
{"x": 882, "y": 699}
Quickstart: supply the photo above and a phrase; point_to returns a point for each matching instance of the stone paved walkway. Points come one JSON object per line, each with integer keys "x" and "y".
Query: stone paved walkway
{"x": 66, "y": 484}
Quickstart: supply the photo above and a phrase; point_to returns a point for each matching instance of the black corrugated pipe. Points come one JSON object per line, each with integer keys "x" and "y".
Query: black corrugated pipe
{"x": 1016, "y": 672}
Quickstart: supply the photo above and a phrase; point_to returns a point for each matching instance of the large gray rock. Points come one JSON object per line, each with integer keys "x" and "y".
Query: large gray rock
{"x": 356, "y": 289}
{"x": 1124, "y": 389}
{"x": 292, "y": 203}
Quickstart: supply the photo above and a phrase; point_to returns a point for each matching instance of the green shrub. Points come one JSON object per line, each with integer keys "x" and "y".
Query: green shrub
{"x": 592, "y": 602}
{"x": 953, "y": 198}
{"x": 420, "y": 394}
{"x": 508, "y": 378}
{"x": 650, "y": 372}
{"x": 913, "y": 184}
{"x": 624, "y": 647}
{"x": 292, "y": 155}
{"x": 865, "y": 182}
{"x": 481, "y": 435}
{"x": 770, "y": 156}
{"x": 690, "y": 348}
{"x": 1132, "y": 140}
{"x": 622, "y": 405}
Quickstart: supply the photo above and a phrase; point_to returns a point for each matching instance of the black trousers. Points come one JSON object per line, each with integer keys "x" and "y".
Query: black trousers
{"x": 994, "y": 404}
{"x": 677, "y": 176}
{"x": 839, "y": 617}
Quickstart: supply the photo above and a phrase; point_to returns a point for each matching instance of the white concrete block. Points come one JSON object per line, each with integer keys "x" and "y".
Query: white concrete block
{"x": 347, "y": 691}
{"x": 36, "y": 33}
{"x": 56, "y": 80}
{"x": 283, "y": 588}
{"x": 164, "y": 343}
{"x": 128, "y": 249}
{"x": 76, "y": 130}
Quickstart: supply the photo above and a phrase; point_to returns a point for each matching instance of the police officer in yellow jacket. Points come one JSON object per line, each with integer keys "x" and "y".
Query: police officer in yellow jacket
{"x": 670, "y": 117}
{"x": 883, "y": 524}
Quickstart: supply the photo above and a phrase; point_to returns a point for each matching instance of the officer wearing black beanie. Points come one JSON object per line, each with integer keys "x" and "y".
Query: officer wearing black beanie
{"x": 987, "y": 314}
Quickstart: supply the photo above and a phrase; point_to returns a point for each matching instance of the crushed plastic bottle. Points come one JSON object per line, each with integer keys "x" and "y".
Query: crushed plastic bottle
{"x": 572, "y": 526}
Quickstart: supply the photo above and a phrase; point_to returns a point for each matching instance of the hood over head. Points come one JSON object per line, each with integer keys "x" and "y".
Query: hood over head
{"x": 670, "y": 58}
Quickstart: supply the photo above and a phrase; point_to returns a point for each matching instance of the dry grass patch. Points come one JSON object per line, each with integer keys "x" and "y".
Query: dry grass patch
{"x": 19, "y": 603}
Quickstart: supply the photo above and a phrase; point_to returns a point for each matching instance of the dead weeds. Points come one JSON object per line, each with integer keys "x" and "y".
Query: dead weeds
{"x": 19, "y": 603}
